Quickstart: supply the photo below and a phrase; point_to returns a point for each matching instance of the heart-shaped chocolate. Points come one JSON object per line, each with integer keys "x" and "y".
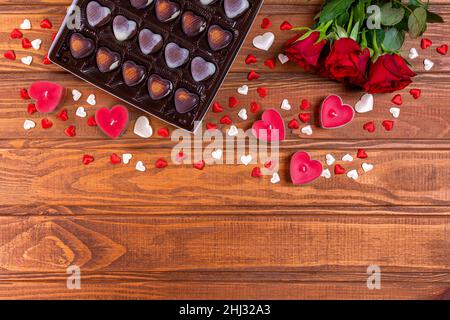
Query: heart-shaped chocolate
{"x": 219, "y": 38}
{"x": 123, "y": 28}
{"x": 158, "y": 87}
{"x": 97, "y": 15}
{"x": 234, "y": 8}
{"x": 80, "y": 46}
{"x": 202, "y": 69}
{"x": 140, "y": 4}
{"x": 150, "y": 42}
{"x": 107, "y": 60}
{"x": 175, "y": 55}
{"x": 185, "y": 101}
{"x": 167, "y": 10}
{"x": 192, "y": 24}
{"x": 132, "y": 73}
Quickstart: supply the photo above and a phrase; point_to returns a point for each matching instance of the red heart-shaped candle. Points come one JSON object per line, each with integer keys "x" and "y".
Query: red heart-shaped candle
{"x": 303, "y": 169}
{"x": 48, "y": 95}
{"x": 264, "y": 129}
{"x": 112, "y": 121}
{"x": 334, "y": 113}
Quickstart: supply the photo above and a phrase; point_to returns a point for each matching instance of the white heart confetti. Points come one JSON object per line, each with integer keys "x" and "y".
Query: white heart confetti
{"x": 26, "y": 25}
{"x": 243, "y": 90}
{"x": 243, "y": 114}
{"x": 28, "y": 124}
{"x": 246, "y": 160}
{"x": 353, "y": 174}
{"x": 27, "y": 60}
{"x": 233, "y": 131}
{"x": 217, "y": 154}
{"x": 347, "y": 158}
{"x": 81, "y": 112}
{"x": 326, "y": 174}
{"x": 365, "y": 104}
{"x": 91, "y": 100}
{"x": 307, "y": 130}
{"x": 126, "y": 158}
{"x": 330, "y": 159}
{"x": 142, "y": 127}
{"x": 395, "y": 112}
{"x": 36, "y": 44}
{"x": 367, "y": 167}
{"x": 265, "y": 41}
{"x": 428, "y": 64}
{"x": 283, "y": 58}
{"x": 285, "y": 105}
{"x": 76, "y": 95}
{"x": 140, "y": 166}
{"x": 275, "y": 178}
{"x": 413, "y": 54}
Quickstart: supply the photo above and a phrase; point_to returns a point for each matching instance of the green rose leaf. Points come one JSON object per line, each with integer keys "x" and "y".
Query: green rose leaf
{"x": 417, "y": 22}
{"x": 393, "y": 40}
{"x": 334, "y": 8}
{"x": 391, "y": 16}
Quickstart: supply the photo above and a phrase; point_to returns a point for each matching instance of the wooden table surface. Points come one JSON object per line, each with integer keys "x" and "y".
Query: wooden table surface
{"x": 180, "y": 233}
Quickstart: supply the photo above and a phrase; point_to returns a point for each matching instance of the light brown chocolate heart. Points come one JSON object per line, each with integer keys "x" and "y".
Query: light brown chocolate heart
{"x": 80, "y": 46}
{"x": 107, "y": 60}
{"x": 192, "y": 24}
{"x": 158, "y": 87}
{"x": 185, "y": 101}
{"x": 167, "y": 10}
{"x": 132, "y": 73}
{"x": 219, "y": 38}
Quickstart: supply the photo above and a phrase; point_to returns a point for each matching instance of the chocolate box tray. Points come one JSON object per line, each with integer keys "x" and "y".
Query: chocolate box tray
{"x": 110, "y": 50}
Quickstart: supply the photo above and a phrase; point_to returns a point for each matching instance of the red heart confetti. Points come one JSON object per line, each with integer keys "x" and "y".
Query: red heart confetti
{"x": 266, "y": 23}
{"x": 217, "y": 107}
{"x": 362, "y": 154}
{"x": 426, "y": 43}
{"x": 270, "y": 63}
{"x": 268, "y": 164}
{"x": 442, "y": 49}
{"x": 88, "y": 159}
{"x": 46, "y": 60}
{"x": 262, "y": 92}
{"x": 211, "y": 126}
{"x": 181, "y": 156}
{"x": 31, "y": 109}
{"x": 161, "y": 163}
{"x": 252, "y": 75}
{"x": 46, "y": 24}
{"x": 26, "y": 44}
{"x": 416, "y": 93}
{"x": 293, "y": 124}
{"x": 200, "y": 165}
{"x": 233, "y": 102}
{"x": 398, "y": 100}
{"x": 304, "y": 117}
{"x": 305, "y": 105}
{"x": 16, "y": 34}
{"x": 163, "y": 132}
{"x": 91, "y": 121}
{"x": 369, "y": 126}
{"x": 226, "y": 120}
{"x": 286, "y": 26}
{"x": 115, "y": 159}
{"x": 388, "y": 125}
{"x": 250, "y": 59}
{"x": 256, "y": 173}
{"x": 63, "y": 115}
{"x": 10, "y": 55}
{"x": 71, "y": 131}
{"x": 338, "y": 169}
{"x": 254, "y": 107}
{"x": 46, "y": 124}
{"x": 24, "y": 94}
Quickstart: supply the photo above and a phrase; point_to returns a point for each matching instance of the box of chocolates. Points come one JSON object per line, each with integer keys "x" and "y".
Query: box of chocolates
{"x": 165, "y": 57}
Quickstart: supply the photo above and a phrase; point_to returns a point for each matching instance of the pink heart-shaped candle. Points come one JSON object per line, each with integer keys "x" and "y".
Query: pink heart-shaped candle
{"x": 270, "y": 127}
{"x": 334, "y": 113}
{"x": 112, "y": 122}
{"x": 48, "y": 95}
{"x": 303, "y": 169}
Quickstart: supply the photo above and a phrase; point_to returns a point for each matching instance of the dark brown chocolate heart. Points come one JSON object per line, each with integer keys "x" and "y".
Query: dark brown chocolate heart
{"x": 219, "y": 38}
{"x": 158, "y": 87}
{"x": 141, "y": 4}
{"x": 202, "y": 69}
{"x": 80, "y": 46}
{"x": 185, "y": 101}
{"x": 97, "y": 15}
{"x": 107, "y": 60}
{"x": 167, "y": 10}
{"x": 123, "y": 28}
{"x": 132, "y": 73}
{"x": 150, "y": 42}
{"x": 192, "y": 24}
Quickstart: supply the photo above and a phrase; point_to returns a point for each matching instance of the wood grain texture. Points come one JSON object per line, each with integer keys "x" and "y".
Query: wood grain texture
{"x": 181, "y": 233}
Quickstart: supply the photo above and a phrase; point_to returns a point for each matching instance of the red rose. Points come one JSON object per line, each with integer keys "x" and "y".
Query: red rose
{"x": 346, "y": 61}
{"x": 306, "y": 52}
{"x": 388, "y": 74}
